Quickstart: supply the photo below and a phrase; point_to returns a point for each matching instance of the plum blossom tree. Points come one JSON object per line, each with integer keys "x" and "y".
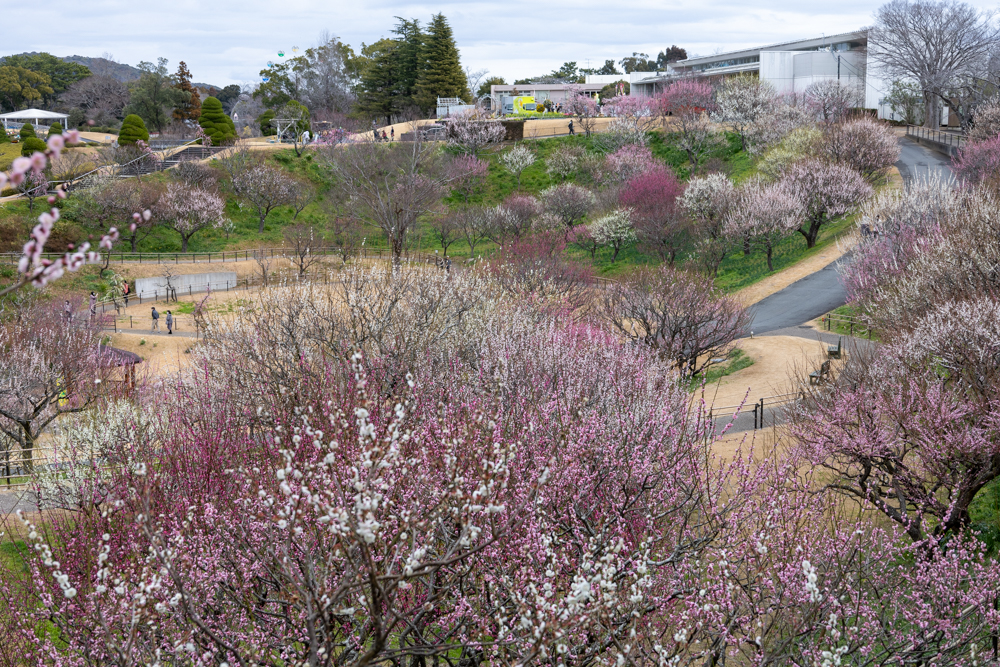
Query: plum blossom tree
{"x": 516, "y": 160}
{"x": 826, "y": 192}
{"x": 689, "y": 103}
{"x": 677, "y": 314}
{"x": 389, "y": 186}
{"x": 763, "y": 215}
{"x": 584, "y": 108}
{"x": 742, "y": 101}
{"x": 978, "y": 162}
{"x": 865, "y": 145}
{"x": 707, "y": 200}
{"x": 985, "y": 121}
{"x": 50, "y": 365}
{"x": 466, "y": 174}
{"x": 265, "y": 188}
{"x": 830, "y": 100}
{"x": 568, "y": 203}
{"x": 564, "y": 161}
{"x": 471, "y": 133}
{"x": 189, "y": 210}
{"x": 658, "y": 220}
{"x": 513, "y": 219}
{"x": 629, "y": 161}
{"x": 614, "y": 230}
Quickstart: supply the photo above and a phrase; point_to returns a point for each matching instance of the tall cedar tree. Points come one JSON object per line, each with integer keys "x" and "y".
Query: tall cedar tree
{"x": 409, "y": 61}
{"x": 380, "y": 87}
{"x": 441, "y": 72}
{"x": 190, "y": 109}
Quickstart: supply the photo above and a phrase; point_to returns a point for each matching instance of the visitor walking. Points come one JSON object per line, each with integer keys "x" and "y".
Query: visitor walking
{"x": 375, "y": 132}
{"x": 125, "y": 291}
{"x": 384, "y": 136}
{"x": 392, "y": 134}
{"x": 572, "y": 132}
{"x": 170, "y": 323}
{"x": 156, "y": 321}
{"x": 93, "y": 305}
{"x": 67, "y": 311}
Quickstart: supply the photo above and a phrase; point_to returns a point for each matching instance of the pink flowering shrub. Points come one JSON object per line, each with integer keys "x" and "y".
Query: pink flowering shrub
{"x": 628, "y": 162}
{"x": 534, "y": 488}
{"x": 978, "y": 163}
{"x": 660, "y": 224}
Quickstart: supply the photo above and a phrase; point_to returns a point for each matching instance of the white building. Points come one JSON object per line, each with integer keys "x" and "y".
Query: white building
{"x": 790, "y": 67}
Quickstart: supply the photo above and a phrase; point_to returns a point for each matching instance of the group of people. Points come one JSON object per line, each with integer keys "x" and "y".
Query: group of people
{"x": 383, "y": 136}
{"x": 169, "y": 319}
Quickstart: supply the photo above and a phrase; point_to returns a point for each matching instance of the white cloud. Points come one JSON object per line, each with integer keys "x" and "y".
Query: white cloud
{"x": 229, "y": 42}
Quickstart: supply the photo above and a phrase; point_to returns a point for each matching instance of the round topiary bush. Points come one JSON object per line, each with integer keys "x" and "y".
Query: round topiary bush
{"x": 27, "y": 130}
{"x": 55, "y": 128}
{"x": 32, "y": 145}
{"x": 217, "y": 125}
{"x": 133, "y": 129}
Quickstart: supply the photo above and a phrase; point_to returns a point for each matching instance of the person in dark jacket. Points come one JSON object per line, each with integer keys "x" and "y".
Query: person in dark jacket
{"x": 156, "y": 321}
{"x": 170, "y": 323}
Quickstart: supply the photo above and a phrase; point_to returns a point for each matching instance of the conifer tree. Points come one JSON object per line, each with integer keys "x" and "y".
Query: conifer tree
{"x": 132, "y": 130}
{"x": 190, "y": 108}
{"x": 380, "y": 90}
{"x": 216, "y": 123}
{"x": 27, "y": 130}
{"x": 441, "y": 72}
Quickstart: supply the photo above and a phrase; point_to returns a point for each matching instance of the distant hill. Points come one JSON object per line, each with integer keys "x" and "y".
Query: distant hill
{"x": 119, "y": 71}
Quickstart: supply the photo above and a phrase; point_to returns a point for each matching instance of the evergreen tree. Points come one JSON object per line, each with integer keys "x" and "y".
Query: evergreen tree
{"x": 264, "y": 121}
{"x": 441, "y": 72}
{"x": 4, "y": 138}
{"x": 61, "y": 73}
{"x": 217, "y": 125}
{"x": 409, "y": 61}
{"x": 132, "y": 130}
{"x": 32, "y": 145}
{"x": 380, "y": 89}
{"x": 27, "y": 130}
{"x": 55, "y": 128}
{"x": 190, "y": 108}
{"x": 153, "y": 95}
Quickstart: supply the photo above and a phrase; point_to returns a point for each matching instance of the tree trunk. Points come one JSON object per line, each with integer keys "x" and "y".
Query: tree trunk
{"x": 260, "y": 228}
{"x": 184, "y": 243}
{"x": 770, "y": 266}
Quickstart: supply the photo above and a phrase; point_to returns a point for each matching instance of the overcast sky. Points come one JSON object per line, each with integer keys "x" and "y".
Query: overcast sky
{"x": 229, "y": 42}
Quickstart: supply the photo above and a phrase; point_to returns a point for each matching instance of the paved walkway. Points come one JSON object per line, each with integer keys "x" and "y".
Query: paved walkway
{"x": 917, "y": 161}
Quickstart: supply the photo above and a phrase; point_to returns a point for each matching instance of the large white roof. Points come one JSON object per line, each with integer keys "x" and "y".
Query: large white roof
{"x": 32, "y": 114}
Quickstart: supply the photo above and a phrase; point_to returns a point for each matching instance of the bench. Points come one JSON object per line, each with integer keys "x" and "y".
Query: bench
{"x": 822, "y": 375}
{"x": 835, "y": 351}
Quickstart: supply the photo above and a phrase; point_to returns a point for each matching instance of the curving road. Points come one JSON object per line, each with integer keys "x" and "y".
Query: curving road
{"x": 919, "y": 162}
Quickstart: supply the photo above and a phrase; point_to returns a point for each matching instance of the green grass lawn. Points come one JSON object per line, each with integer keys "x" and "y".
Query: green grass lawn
{"x": 737, "y": 360}
{"x": 736, "y": 271}
{"x": 8, "y": 152}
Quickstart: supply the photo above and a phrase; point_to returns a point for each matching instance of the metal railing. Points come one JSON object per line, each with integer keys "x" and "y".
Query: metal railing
{"x": 951, "y": 139}
{"x": 757, "y": 409}
{"x": 114, "y": 169}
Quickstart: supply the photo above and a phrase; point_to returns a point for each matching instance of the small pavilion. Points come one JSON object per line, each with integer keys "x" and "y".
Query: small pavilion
{"x": 34, "y": 116}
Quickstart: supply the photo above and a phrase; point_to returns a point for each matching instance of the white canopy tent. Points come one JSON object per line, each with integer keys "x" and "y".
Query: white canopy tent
{"x": 33, "y": 116}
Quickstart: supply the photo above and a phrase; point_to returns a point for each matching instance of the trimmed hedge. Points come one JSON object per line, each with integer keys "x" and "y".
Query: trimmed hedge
{"x": 133, "y": 129}
{"x": 27, "y": 130}
{"x": 32, "y": 145}
{"x": 217, "y": 125}
{"x": 55, "y": 128}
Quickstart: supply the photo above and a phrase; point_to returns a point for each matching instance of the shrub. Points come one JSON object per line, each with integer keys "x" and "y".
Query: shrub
{"x": 55, "y": 129}
{"x": 4, "y": 139}
{"x": 133, "y": 130}
{"x": 216, "y": 123}
{"x": 32, "y": 145}
{"x": 27, "y": 130}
